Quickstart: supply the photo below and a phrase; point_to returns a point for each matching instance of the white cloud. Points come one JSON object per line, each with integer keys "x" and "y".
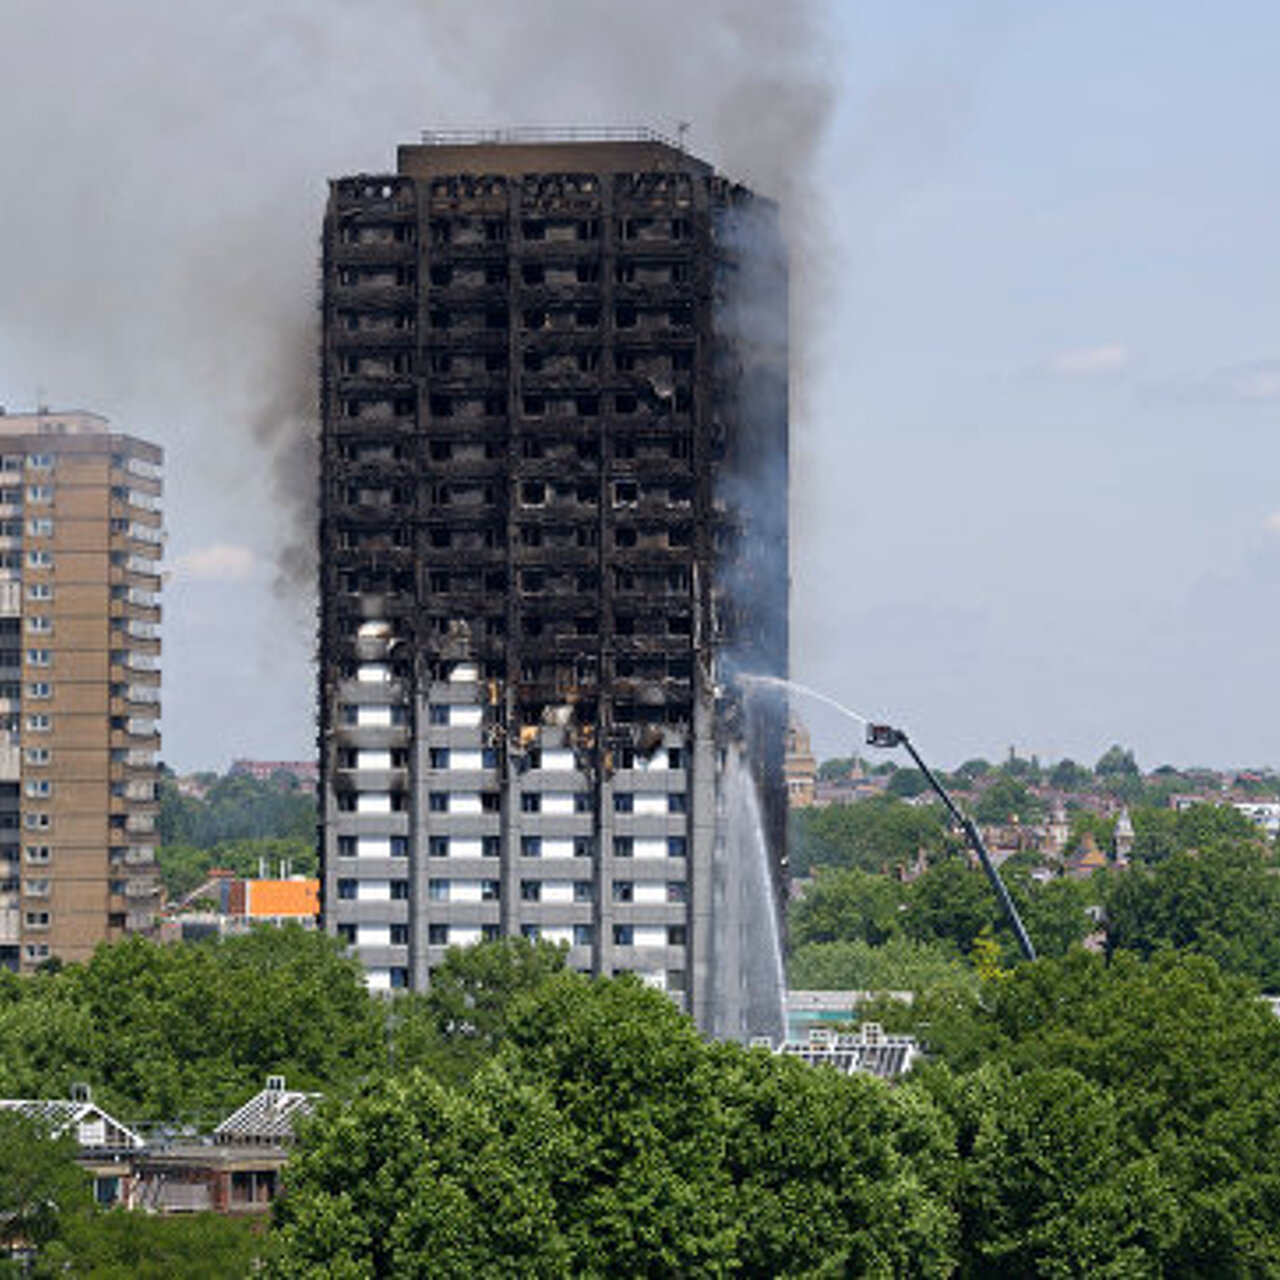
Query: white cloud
{"x": 1257, "y": 381}
{"x": 1272, "y": 523}
{"x": 1249, "y": 382}
{"x": 218, "y": 562}
{"x": 1104, "y": 360}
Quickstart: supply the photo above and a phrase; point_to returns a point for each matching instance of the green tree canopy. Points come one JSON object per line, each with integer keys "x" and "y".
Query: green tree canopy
{"x": 41, "y": 1186}
{"x": 875, "y": 834}
{"x": 1005, "y": 799}
{"x": 1117, "y": 760}
{"x": 1222, "y": 901}
{"x": 163, "y": 1032}
{"x": 606, "y": 1138}
{"x": 846, "y": 905}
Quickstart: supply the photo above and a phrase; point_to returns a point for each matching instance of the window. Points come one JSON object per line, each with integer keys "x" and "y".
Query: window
{"x": 531, "y": 890}
{"x": 346, "y": 889}
{"x": 677, "y": 935}
{"x": 622, "y": 935}
{"x": 37, "y": 853}
{"x": 438, "y": 714}
{"x": 39, "y": 493}
{"x": 623, "y": 890}
{"x": 399, "y": 935}
{"x": 39, "y": 559}
{"x": 438, "y": 935}
{"x": 583, "y": 935}
{"x": 489, "y": 846}
{"x": 36, "y": 919}
{"x": 438, "y": 890}
{"x": 438, "y": 802}
{"x": 677, "y": 802}
{"x": 36, "y": 755}
{"x": 40, "y": 591}
{"x": 438, "y": 846}
{"x": 531, "y": 931}
{"x": 490, "y": 890}
{"x": 584, "y": 891}
{"x": 623, "y": 846}
{"x": 39, "y": 461}
{"x": 39, "y": 658}
{"x": 399, "y": 846}
{"x": 677, "y": 846}
{"x": 677, "y": 891}
{"x": 623, "y": 802}
{"x": 39, "y": 623}
{"x": 583, "y": 846}
{"x": 400, "y": 890}
{"x": 40, "y": 527}
{"x": 530, "y": 802}
{"x": 346, "y": 846}
{"x": 531, "y": 846}
{"x": 36, "y": 821}
{"x": 39, "y": 723}
{"x": 490, "y": 932}
{"x": 347, "y": 934}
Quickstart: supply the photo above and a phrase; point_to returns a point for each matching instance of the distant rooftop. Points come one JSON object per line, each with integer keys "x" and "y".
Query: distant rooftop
{"x": 524, "y": 135}
{"x": 71, "y": 422}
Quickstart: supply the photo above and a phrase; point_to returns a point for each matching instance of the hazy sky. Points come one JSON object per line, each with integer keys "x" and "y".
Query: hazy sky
{"x": 1036, "y": 499}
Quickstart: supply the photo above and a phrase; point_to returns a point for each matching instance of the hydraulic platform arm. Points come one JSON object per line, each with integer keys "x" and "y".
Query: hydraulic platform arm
{"x": 883, "y": 735}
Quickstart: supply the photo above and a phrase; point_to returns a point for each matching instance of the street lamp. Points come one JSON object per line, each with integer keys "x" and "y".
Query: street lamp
{"x": 886, "y": 736}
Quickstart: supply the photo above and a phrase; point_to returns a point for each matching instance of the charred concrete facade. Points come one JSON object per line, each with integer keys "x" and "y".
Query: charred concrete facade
{"x": 554, "y": 520}
{"x": 80, "y": 547}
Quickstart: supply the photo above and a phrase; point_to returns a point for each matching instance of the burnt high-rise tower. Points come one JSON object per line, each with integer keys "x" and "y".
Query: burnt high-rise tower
{"x": 553, "y": 523}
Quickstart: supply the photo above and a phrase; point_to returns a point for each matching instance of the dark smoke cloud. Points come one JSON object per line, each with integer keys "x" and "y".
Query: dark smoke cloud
{"x": 166, "y": 166}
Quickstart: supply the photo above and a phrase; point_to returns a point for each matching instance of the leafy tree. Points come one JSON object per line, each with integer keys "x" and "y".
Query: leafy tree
{"x": 1160, "y": 833}
{"x": 168, "y": 1031}
{"x": 899, "y": 964}
{"x": 1044, "y": 1188}
{"x": 952, "y": 904}
{"x": 41, "y": 1186}
{"x": 1056, "y": 914}
{"x": 1005, "y": 799}
{"x": 1222, "y": 902}
{"x": 458, "y": 1024}
{"x": 907, "y": 783}
{"x": 237, "y": 807}
{"x": 1189, "y": 1058}
{"x": 607, "y": 1138}
{"x": 874, "y": 834}
{"x": 847, "y": 905}
{"x": 142, "y": 1246}
{"x": 1066, "y": 775}
{"x": 1021, "y": 769}
{"x": 833, "y": 770}
{"x": 1117, "y": 760}
{"x": 972, "y": 770}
